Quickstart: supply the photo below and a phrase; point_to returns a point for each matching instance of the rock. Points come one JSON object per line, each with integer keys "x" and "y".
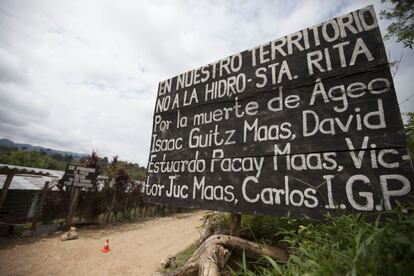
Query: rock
{"x": 169, "y": 262}
{"x": 173, "y": 263}
{"x": 70, "y": 235}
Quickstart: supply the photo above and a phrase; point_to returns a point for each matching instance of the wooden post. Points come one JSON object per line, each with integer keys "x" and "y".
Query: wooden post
{"x": 72, "y": 207}
{"x": 5, "y": 189}
{"x": 235, "y": 222}
{"x": 38, "y": 210}
{"x": 72, "y": 192}
{"x": 144, "y": 211}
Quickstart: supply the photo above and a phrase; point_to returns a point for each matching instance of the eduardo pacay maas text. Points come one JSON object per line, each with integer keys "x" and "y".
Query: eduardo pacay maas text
{"x": 306, "y": 123}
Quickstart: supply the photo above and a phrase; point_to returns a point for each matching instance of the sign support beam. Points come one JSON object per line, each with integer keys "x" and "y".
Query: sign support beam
{"x": 72, "y": 208}
{"x": 235, "y": 222}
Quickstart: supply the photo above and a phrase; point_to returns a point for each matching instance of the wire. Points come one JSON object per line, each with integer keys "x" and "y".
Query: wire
{"x": 406, "y": 100}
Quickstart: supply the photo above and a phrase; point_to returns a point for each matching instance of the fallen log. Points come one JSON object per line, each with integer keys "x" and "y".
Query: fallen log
{"x": 212, "y": 256}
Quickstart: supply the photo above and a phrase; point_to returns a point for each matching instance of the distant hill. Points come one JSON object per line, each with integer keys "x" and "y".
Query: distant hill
{"x": 27, "y": 147}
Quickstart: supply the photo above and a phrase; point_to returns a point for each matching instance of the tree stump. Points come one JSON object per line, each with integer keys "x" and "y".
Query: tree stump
{"x": 211, "y": 226}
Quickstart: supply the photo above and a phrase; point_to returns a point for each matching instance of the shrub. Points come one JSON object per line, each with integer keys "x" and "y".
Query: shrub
{"x": 340, "y": 245}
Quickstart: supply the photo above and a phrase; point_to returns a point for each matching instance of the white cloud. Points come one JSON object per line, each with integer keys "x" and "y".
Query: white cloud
{"x": 82, "y": 75}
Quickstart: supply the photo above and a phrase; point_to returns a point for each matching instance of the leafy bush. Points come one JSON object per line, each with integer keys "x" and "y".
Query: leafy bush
{"x": 342, "y": 245}
{"x": 268, "y": 230}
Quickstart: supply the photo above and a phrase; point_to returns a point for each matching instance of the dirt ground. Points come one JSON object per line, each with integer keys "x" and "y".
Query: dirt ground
{"x": 136, "y": 249}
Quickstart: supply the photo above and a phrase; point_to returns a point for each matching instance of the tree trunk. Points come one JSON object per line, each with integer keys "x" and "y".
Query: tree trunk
{"x": 211, "y": 226}
{"x": 126, "y": 211}
{"x": 134, "y": 210}
{"x": 111, "y": 208}
{"x": 211, "y": 257}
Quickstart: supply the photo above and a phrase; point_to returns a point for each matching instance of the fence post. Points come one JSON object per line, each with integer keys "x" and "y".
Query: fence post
{"x": 38, "y": 210}
{"x": 5, "y": 189}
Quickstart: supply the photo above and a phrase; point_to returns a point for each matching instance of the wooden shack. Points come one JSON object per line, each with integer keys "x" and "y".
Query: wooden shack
{"x": 21, "y": 191}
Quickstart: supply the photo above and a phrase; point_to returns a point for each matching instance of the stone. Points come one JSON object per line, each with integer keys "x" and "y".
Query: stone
{"x": 169, "y": 262}
{"x": 72, "y": 234}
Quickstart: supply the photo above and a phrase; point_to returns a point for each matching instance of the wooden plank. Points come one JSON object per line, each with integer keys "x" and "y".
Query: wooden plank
{"x": 313, "y": 129}
{"x": 218, "y": 72}
{"x": 302, "y": 184}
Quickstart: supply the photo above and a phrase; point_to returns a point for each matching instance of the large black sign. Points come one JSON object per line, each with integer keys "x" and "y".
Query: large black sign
{"x": 306, "y": 123}
{"x": 79, "y": 176}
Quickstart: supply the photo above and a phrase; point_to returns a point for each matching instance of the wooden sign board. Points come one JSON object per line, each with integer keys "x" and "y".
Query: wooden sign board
{"x": 79, "y": 176}
{"x": 304, "y": 124}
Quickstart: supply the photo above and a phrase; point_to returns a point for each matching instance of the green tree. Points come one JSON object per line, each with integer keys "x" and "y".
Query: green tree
{"x": 409, "y": 130}
{"x": 402, "y": 27}
{"x": 30, "y": 159}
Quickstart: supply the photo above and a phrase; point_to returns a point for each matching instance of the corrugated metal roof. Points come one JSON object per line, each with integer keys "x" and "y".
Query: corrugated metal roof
{"x": 30, "y": 182}
{"x": 27, "y": 182}
{"x": 30, "y": 170}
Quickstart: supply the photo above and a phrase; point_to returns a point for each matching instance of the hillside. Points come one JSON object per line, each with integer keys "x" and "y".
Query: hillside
{"x": 28, "y": 147}
{"x": 56, "y": 161}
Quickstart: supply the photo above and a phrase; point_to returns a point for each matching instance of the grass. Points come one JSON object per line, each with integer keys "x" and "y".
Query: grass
{"x": 339, "y": 245}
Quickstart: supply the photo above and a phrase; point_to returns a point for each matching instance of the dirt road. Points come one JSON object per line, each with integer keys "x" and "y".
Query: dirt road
{"x": 136, "y": 249}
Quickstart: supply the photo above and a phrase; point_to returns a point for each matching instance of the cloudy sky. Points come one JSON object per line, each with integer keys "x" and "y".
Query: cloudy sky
{"x": 83, "y": 75}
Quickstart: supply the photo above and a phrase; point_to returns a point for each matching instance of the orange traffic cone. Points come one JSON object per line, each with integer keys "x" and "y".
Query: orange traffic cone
{"x": 106, "y": 248}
